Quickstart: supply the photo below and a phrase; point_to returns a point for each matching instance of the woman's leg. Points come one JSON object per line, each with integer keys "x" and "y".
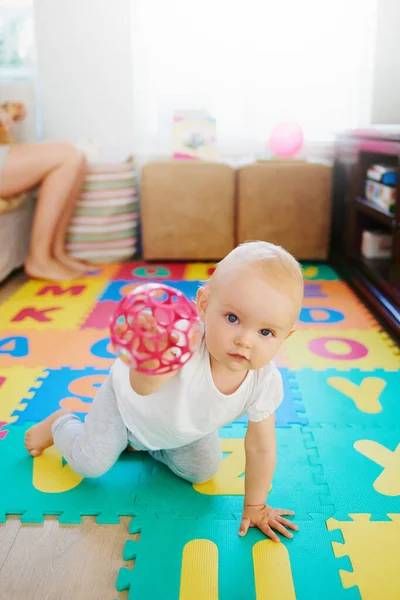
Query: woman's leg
{"x": 59, "y": 251}
{"x": 57, "y": 168}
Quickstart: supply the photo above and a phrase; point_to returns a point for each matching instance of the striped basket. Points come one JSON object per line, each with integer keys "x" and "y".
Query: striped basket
{"x": 104, "y": 227}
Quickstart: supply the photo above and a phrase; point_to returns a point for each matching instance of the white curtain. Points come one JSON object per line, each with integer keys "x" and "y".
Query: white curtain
{"x": 251, "y": 64}
{"x": 18, "y": 63}
{"x": 17, "y": 48}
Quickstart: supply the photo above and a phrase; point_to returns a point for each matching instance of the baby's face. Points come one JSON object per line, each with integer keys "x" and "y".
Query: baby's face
{"x": 248, "y": 317}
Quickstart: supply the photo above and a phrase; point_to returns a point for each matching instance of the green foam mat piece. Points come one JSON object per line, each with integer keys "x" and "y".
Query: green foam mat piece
{"x": 319, "y": 271}
{"x": 137, "y": 481}
{"x": 107, "y": 497}
{"x": 167, "y": 547}
{"x": 360, "y": 467}
{"x": 354, "y": 397}
{"x": 294, "y": 485}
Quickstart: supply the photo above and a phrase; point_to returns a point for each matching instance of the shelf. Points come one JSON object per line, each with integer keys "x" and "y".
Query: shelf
{"x": 385, "y": 273}
{"x": 376, "y": 280}
{"x": 376, "y": 211}
{"x": 367, "y": 278}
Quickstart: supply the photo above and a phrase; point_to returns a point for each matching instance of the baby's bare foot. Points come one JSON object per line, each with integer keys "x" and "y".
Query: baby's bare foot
{"x": 39, "y": 437}
{"x": 50, "y": 270}
{"x": 130, "y": 448}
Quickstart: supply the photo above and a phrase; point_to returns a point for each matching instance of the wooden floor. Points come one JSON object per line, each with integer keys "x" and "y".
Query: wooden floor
{"x": 59, "y": 562}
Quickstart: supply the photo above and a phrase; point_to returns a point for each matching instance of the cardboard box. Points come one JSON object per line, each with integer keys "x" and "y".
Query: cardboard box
{"x": 376, "y": 244}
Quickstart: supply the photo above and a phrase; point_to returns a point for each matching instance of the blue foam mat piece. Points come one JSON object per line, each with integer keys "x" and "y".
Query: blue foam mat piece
{"x": 51, "y": 389}
{"x": 113, "y": 290}
{"x": 291, "y": 411}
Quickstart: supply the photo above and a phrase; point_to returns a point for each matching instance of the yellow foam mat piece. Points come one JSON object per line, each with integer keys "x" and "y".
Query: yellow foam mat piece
{"x": 365, "y": 396}
{"x": 340, "y": 349}
{"x": 228, "y": 480}
{"x": 15, "y": 383}
{"x": 199, "y": 271}
{"x": 272, "y": 571}
{"x": 51, "y": 476}
{"x": 62, "y": 307}
{"x": 199, "y": 575}
{"x": 372, "y": 547}
{"x": 271, "y": 564}
{"x": 44, "y": 293}
{"x": 388, "y": 482}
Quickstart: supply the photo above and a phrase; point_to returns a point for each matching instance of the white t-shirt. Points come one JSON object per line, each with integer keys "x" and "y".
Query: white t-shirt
{"x": 189, "y": 406}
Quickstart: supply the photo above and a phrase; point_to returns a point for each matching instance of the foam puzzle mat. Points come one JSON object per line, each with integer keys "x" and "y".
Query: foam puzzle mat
{"x": 338, "y": 437}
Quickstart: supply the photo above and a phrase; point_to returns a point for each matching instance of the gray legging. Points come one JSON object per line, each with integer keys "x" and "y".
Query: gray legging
{"x": 91, "y": 448}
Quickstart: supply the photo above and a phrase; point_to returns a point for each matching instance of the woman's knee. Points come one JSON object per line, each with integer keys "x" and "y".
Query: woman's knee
{"x": 73, "y": 156}
{"x": 65, "y": 154}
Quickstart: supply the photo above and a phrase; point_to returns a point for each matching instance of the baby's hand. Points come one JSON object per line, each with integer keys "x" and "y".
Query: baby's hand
{"x": 148, "y": 323}
{"x": 163, "y": 343}
{"x": 267, "y": 519}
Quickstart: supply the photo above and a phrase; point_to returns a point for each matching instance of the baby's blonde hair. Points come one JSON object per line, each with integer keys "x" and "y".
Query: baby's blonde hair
{"x": 274, "y": 259}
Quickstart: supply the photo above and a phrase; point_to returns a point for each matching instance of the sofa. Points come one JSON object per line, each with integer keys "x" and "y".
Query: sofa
{"x": 15, "y": 226}
{"x": 16, "y": 214}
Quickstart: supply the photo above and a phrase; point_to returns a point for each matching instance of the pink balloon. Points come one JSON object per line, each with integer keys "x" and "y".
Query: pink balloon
{"x": 286, "y": 139}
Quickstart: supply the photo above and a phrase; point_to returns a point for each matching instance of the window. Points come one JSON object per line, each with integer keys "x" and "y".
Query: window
{"x": 17, "y": 58}
{"x": 251, "y": 64}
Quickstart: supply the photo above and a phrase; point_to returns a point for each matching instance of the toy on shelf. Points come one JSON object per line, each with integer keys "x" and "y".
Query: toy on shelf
{"x": 376, "y": 244}
{"x": 384, "y": 174}
{"x": 286, "y": 139}
{"x": 155, "y": 329}
{"x": 380, "y": 186}
{"x": 194, "y": 136}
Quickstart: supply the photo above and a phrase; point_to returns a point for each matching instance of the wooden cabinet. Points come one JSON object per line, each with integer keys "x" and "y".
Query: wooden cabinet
{"x": 377, "y": 279}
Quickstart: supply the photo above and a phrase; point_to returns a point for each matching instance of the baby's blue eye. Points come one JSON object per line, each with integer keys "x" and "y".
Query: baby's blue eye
{"x": 266, "y": 332}
{"x": 232, "y": 318}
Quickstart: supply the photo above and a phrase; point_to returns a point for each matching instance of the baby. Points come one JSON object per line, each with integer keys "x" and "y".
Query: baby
{"x": 248, "y": 308}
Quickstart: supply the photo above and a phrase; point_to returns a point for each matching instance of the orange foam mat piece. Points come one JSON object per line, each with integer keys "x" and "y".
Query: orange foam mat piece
{"x": 55, "y": 349}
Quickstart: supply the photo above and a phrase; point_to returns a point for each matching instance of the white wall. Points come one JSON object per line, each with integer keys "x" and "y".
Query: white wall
{"x": 85, "y": 73}
{"x": 386, "y": 86}
{"x": 86, "y": 80}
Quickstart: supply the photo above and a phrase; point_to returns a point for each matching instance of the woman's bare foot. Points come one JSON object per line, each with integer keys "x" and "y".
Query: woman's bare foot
{"x": 79, "y": 266}
{"x": 49, "y": 270}
{"x": 39, "y": 437}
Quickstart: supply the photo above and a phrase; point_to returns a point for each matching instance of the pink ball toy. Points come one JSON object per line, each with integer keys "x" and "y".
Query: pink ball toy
{"x": 286, "y": 139}
{"x": 155, "y": 329}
